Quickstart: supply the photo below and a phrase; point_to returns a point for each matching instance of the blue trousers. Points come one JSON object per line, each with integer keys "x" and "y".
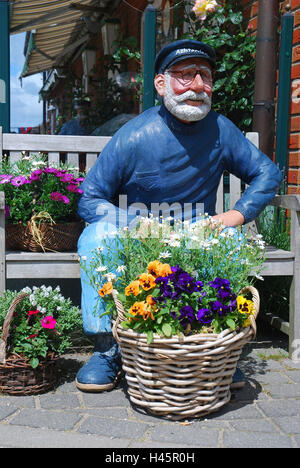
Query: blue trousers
{"x": 91, "y": 306}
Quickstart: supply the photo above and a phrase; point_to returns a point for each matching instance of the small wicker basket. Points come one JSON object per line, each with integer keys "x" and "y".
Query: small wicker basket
{"x": 17, "y": 377}
{"x": 181, "y": 377}
{"x": 54, "y": 237}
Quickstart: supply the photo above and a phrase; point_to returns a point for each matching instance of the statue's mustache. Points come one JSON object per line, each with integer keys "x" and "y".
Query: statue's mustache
{"x": 192, "y": 95}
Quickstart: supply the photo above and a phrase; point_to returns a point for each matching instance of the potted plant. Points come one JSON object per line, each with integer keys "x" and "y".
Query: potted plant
{"x": 41, "y": 205}
{"x": 37, "y": 326}
{"x": 183, "y": 307}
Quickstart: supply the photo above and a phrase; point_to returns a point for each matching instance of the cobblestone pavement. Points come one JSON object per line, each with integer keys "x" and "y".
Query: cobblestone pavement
{"x": 265, "y": 413}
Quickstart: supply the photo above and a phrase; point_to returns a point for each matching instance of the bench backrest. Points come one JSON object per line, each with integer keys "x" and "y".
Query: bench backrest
{"x": 82, "y": 151}
{"x": 73, "y": 150}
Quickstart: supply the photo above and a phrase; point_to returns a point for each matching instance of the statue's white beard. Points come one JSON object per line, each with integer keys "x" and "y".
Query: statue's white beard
{"x": 175, "y": 103}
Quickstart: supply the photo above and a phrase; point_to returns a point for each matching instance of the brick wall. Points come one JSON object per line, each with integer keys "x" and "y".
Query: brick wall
{"x": 250, "y": 8}
{"x": 294, "y": 140}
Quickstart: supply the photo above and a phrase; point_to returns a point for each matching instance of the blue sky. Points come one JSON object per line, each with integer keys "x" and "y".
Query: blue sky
{"x": 26, "y": 110}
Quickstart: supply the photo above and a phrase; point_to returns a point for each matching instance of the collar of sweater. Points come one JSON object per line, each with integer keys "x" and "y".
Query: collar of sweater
{"x": 177, "y": 126}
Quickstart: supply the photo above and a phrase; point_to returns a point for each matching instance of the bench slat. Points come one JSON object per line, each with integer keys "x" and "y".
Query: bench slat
{"x": 235, "y": 190}
{"x": 14, "y": 156}
{"x": 61, "y": 143}
{"x": 220, "y": 197}
{"x": 91, "y": 158}
{"x": 53, "y": 158}
{"x": 73, "y": 160}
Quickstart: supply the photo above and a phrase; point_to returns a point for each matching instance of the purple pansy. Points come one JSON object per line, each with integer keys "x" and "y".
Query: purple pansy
{"x": 204, "y": 316}
{"x": 223, "y": 287}
{"x": 219, "y": 308}
{"x": 186, "y": 315}
{"x": 219, "y": 283}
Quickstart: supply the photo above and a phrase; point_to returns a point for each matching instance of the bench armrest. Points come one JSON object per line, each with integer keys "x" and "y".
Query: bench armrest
{"x": 290, "y": 202}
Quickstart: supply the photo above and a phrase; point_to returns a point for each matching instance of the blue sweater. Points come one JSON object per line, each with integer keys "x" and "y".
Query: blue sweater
{"x": 155, "y": 158}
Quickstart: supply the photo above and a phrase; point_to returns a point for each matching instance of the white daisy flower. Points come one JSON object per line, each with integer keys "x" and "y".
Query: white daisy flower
{"x": 101, "y": 268}
{"x": 164, "y": 255}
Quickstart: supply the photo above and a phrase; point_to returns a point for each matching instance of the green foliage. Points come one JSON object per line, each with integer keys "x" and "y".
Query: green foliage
{"x": 43, "y": 321}
{"x": 274, "y": 225}
{"x": 225, "y": 30}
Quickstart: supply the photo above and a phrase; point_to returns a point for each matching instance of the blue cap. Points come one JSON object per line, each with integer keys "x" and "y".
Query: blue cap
{"x": 181, "y": 50}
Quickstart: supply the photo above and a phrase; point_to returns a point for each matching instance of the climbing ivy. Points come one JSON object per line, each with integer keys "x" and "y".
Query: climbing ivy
{"x": 227, "y": 32}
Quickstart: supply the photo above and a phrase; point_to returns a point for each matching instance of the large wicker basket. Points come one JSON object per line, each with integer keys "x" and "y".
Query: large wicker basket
{"x": 54, "y": 237}
{"x": 181, "y": 377}
{"x": 17, "y": 377}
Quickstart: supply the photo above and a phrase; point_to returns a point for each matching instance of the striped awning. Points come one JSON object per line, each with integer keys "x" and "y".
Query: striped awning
{"x": 57, "y": 28}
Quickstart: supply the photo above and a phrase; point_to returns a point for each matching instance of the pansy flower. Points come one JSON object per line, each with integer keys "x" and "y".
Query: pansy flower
{"x": 186, "y": 315}
{"x": 150, "y": 300}
{"x": 147, "y": 281}
{"x": 204, "y": 316}
{"x": 219, "y": 308}
{"x": 153, "y": 268}
{"x": 107, "y": 288}
{"x": 133, "y": 288}
{"x": 185, "y": 282}
{"x": 244, "y": 306}
{"x": 164, "y": 269}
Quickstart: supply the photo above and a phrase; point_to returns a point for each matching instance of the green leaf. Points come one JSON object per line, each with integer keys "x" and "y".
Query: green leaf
{"x": 34, "y": 362}
{"x": 125, "y": 324}
{"x": 149, "y": 336}
{"x": 236, "y": 18}
{"x": 230, "y": 323}
{"x": 167, "y": 330}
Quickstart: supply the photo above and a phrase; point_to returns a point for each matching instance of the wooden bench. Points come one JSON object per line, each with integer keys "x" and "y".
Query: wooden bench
{"x": 74, "y": 149}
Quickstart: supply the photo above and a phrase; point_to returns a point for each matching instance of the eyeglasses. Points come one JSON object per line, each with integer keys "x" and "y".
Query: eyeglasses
{"x": 186, "y": 77}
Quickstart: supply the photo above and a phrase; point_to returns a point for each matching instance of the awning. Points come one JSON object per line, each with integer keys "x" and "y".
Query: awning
{"x": 57, "y": 28}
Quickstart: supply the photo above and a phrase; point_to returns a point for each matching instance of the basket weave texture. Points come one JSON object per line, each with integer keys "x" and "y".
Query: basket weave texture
{"x": 181, "y": 377}
{"x": 17, "y": 377}
{"x": 54, "y": 237}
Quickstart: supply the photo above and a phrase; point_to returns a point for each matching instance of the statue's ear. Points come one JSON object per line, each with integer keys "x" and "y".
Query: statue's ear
{"x": 160, "y": 84}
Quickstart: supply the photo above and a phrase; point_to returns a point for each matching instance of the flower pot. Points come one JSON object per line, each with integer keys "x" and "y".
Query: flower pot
{"x": 59, "y": 237}
{"x": 17, "y": 377}
{"x": 181, "y": 376}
